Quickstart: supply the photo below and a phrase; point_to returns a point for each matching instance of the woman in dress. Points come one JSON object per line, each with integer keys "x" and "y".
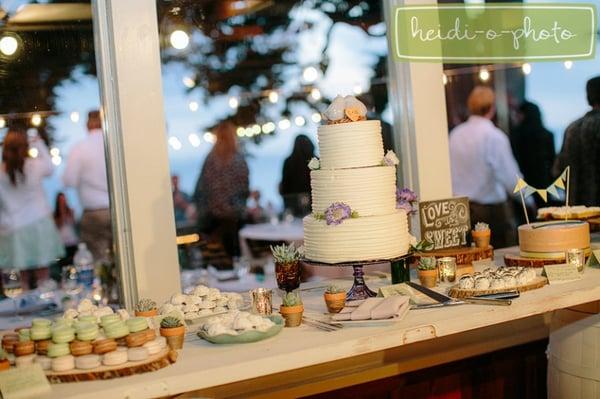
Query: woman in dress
{"x": 295, "y": 179}
{"x": 64, "y": 219}
{"x": 29, "y": 240}
{"x": 222, "y": 190}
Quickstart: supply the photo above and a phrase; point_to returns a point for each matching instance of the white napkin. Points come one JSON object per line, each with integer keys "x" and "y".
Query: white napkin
{"x": 375, "y": 309}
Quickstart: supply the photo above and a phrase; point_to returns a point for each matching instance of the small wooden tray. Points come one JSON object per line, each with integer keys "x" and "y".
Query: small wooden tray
{"x": 463, "y": 255}
{"x": 538, "y": 282}
{"x": 154, "y": 362}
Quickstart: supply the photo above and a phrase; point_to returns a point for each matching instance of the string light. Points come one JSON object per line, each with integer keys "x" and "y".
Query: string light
{"x": 444, "y": 79}
{"x": 8, "y": 45}
{"x": 179, "y": 39}
{"x": 175, "y": 143}
{"x": 74, "y": 116}
{"x": 299, "y": 121}
{"x": 209, "y": 137}
{"x": 284, "y": 124}
{"x": 315, "y": 94}
{"x": 256, "y": 129}
{"x": 54, "y": 151}
{"x": 193, "y": 105}
{"x": 273, "y": 96}
{"x": 233, "y": 102}
{"x": 316, "y": 117}
{"x": 56, "y": 160}
{"x": 2, "y": 123}
{"x": 310, "y": 74}
{"x": 240, "y": 131}
{"x": 188, "y": 82}
{"x": 526, "y": 68}
{"x": 33, "y": 152}
{"x": 484, "y": 75}
{"x": 36, "y": 120}
{"x": 249, "y": 132}
{"x": 194, "y": 140}
{"x": 268, "y": 127}
{"x": 568, "y": 64}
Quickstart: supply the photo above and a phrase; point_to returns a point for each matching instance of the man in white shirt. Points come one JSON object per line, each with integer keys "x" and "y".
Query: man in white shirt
{"x": 86, "y": 171}
{"x": 484, "y": 168}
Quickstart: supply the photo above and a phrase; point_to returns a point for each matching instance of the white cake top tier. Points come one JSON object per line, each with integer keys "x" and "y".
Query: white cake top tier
{"x": 350, "y": 145}
{"x": 368, "y": 191}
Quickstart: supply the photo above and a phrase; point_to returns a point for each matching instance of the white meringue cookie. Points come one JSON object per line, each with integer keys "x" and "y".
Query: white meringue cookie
{"x": 167, "y": 308}
{"x": 200, "y": 290}
{"x": 335, "y": 111}
{"x": 123, "y": 314}
{"x": 222, "y": 301}
{"x": 219, "y": 309}
{"x": 86, "y": 305}
{"x": 204, "y": 312}
{"x": 70, "y": 314}
{"x": 190, "y": 308}
{"x": 207, "y": 304}
{"x": 242, "y": 323}
{"x": 195, "y": 300}
{"x": 178, "y": 299}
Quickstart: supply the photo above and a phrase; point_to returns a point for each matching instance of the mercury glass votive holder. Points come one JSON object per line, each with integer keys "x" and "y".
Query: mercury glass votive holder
{"x": 262, "y": 301}
{"x": 575, "y": 257}
{"x": 447, "y": 269}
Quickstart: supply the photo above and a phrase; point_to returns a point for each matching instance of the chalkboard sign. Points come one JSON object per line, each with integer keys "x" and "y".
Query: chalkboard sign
{"x": 445, "y": 223}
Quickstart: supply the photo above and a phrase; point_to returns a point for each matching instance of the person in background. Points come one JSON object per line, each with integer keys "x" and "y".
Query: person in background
{"x": 86, "y": 171}
{"x": 295, "y": 177}
{"x": 29, "y": 240}
{"x": 580, "y": 151}
{"x": 533, "y": 147}
{"x": 64, "y": 219}
{"x": 483, "y": 167}
{"x": 181, "y": 202}
{"x": 255, "y": 212}
{"x": 222, "y": 190}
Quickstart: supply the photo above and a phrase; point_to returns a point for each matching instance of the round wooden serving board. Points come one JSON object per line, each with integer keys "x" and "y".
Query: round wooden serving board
{"x": 465, "y": 256}
{"x": 538, "y": 282}
{"x": 155, "y": 362}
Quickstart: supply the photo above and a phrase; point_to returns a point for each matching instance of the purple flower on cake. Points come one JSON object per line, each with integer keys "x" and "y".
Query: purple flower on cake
{"x": 390, "y": 159}
{"x": 337, "y": 212}
{"x": 405, "y": 199}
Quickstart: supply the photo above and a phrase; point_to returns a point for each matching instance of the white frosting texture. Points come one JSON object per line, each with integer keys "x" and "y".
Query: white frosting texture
{"x": 368, "y": 191}
{"x": 362, "y": 238}
{"x": 350, "y": 145}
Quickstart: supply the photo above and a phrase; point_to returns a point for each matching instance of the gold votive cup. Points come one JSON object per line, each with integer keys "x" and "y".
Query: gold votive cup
{"x": 447, "y": 269}
{"x": 262, "y": 301}
{"x": 575, "y": 257}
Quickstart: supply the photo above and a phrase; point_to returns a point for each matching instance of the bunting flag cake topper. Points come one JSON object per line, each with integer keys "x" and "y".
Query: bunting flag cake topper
{"x": 527, "y": 190}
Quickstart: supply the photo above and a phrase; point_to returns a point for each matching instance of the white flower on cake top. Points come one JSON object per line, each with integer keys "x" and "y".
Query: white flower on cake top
{"x": 345, "y": 109}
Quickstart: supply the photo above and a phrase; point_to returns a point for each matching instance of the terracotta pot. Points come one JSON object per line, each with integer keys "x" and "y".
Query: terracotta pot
{"x": 4, "y": 365}
{"x": 335, "y": 302}
{"x": 292, "y": 315}
{"x": 428, "y": 278}
{"x": 481, "y": 238}
{"x": 174, "y": 336}
{"x": 288, "y": 275}
{"x": 148, "y": 313}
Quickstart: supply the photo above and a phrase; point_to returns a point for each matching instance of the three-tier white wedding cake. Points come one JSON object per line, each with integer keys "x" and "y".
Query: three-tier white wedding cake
{"x": 354, "y": 215}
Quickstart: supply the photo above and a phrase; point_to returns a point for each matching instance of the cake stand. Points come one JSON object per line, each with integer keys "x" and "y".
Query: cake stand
{"x": 359, "y": 288}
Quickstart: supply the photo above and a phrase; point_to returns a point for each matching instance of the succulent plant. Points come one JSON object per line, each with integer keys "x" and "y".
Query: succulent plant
{"x": 291, "y": 299}
{"x": 334, "y": 289}
{"x": 480, "y": 226}
{"x": 145, "y": 305}
{"x": 427, "y": 263}
{"x": 287, "y": 253}
{"x": 170, "y": 322}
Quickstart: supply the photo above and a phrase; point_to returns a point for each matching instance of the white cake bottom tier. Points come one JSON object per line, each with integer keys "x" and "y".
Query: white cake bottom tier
{"x": 350, "y": 145}
{"x": 368, "y": 191}
{"x": 362, "y": 238}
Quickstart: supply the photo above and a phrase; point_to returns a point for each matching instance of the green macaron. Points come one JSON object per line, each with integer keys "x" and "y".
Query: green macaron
{"x": 136, "y": 324}
{"x": 109, "y": 319}
{"x": 87, "y": 331}
{"x": 40, "y": 333}
{"x": 116, "y": 330}
{"x": 63, "y": 335}
{"x": 57, "y": 350}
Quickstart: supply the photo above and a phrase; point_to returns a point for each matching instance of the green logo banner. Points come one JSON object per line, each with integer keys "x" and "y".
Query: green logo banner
{"x": 494, "y": 32}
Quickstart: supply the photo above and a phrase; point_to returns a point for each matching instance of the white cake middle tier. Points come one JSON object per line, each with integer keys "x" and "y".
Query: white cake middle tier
{"x": 368, "y": 191}
{"x": 358, "y": 239}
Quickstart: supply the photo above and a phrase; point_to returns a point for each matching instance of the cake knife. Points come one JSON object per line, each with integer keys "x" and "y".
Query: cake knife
{"x": 441, "y": 299}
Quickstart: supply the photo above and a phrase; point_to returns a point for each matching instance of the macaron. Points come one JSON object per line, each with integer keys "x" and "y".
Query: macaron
{"x": 162, "y": 341}
{"x": 41, "y": 347}
{"x": 136, "y": 324}
{"x": 63, "y": 363}
{"x": 4, "y": 364}
{"x": 58, "y": 350}
{"x": 137, "y": 354}
{"x": 104, "y": 346}
{"x": 136, "y": 339}
{"x": 116, "y": 330}
{"x": 87, "y": 362}
{"x": 23, "y": 348}
{"x": 63, "y": 335}
{"x": 109, "y": 319}
{"x": 44, "y": 361}
{"x": 150, "y": 334}
{"x": 23, "y": 361}
{"x": 9, "y": 341}
{"x": 80, "y": 348}
{"x": 87, "y": 331}
{"x": 61, "y": 323}
{"x": 24, "y": 334}
{"x": 38, "y": 333}
{"x": 38, "y": 322}
{"x": 115, "y": 358}
{"x": 153, "y": 347}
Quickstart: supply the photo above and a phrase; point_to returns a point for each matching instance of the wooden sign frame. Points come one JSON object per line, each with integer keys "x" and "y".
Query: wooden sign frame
{"x": 446, "y": 223}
